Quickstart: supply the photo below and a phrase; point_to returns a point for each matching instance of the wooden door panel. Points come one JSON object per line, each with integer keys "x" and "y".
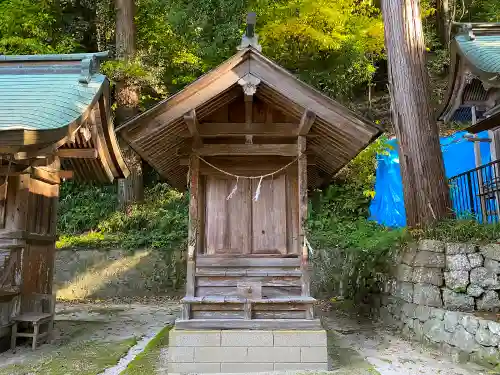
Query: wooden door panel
{"x": 239, "y": 214}
{"x": 227, "y": 227}
{"x": 269, "y": 216}
{"x": 215, "y": 214}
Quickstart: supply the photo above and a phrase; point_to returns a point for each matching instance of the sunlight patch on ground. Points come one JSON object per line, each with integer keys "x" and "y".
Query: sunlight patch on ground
{"x": 89, "y": 282}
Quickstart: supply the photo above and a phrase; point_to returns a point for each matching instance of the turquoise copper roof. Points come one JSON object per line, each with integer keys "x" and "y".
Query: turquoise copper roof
{"x": 47, "y": 92}
{"x": 483, "y": 51}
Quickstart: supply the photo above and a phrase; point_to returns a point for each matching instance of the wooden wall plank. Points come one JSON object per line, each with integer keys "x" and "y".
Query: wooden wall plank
{"x": 286, "y": 281}
{"x": 246, "y": 262}
{"x": 269, "y": 215}
{"x": 17, "y": 202}
{"x": 267, "y": 292}
{"x": 239, "y": 215}
{"x": 215, "y": 214}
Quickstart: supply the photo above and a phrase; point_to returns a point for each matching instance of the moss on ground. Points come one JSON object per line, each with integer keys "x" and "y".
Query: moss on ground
{"x": 146, "y": 361}
{"x": 347, "y": 361}
{"x": 82, "y": 358}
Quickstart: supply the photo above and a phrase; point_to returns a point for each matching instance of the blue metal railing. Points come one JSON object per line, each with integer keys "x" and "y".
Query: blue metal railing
{"x": 476, "y": 193}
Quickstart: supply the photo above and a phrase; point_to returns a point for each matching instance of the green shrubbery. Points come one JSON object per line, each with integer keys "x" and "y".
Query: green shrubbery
{"x": 88, "y": 218}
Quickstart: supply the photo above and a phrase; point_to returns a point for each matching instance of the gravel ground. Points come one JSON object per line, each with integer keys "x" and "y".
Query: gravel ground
{"x": 356, "y": 346}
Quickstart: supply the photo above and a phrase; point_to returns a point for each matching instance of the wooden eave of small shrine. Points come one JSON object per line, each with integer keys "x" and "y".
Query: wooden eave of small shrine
{"x": 58, "y": 106}
{"x": 490, "y": 123}
{"x": 474, "y": 78}
{"x": 252, "y": 85}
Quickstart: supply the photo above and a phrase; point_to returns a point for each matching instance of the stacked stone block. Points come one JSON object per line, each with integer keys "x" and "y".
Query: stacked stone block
{"x": 436, "y": 288}
{"x": 245, "y": 351}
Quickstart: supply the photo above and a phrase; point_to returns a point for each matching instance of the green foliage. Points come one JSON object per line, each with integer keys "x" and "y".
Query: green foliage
{"x": 352, "y": 255}
{"x": 133, "y": 72}
{"x": 147, "y": 360}
{"x": 159, "y": 222}
{"x": 351, "y": 258}
{"x": 31, "y": 27}
{"x": 460, "y": 231}
{"x": 477, "y": 11}
{"x": 83, "y": 206}
{"x": 309, "y": 37}
{"x": 350, "y": 195}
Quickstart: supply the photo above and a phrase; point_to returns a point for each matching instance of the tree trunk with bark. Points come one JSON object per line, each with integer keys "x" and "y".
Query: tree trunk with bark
{"x": 130, "y": 189}
{"x": 443, "y": 21}
{"x": 425, "y": 188}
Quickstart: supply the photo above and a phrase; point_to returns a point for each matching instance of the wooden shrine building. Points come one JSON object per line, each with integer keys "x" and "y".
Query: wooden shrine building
{"x": 54, "y": 124}
{"x": 474, "y": 82}
{"x": 248, "y": 140}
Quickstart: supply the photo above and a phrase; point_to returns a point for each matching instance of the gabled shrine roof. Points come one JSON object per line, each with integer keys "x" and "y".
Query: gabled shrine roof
{"x": 51, "y": 103}
{"x": 47, "y": 92}
{"x": 474, "y": 78}
{"x": 482, "y": 51}
{"x": 335, "y": 137}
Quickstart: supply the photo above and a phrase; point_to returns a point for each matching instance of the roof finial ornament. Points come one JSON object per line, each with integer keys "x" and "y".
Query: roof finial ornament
{"x": 88, "y": 68}
{"x": 467, "y": 28}
{"x": 250, "y": 39}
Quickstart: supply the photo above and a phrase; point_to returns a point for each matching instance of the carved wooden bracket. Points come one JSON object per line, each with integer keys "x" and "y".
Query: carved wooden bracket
{"x": 249, "y": 83}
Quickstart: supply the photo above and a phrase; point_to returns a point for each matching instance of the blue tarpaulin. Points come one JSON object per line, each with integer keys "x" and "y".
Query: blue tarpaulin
{"x": 387, "y": 207}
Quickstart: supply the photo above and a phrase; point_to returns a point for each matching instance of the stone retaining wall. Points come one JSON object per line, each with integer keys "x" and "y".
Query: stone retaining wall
{"x": 98, "y": 273}
{"x": 435, "y": 291}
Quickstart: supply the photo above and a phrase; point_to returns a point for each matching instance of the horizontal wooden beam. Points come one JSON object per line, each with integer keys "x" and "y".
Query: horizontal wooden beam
{"x": 14, "y": 170}
{"x": 254, "y": 149}
{"x": 77, "y": 153}
{"x": 271, "y": 165}
{"x": 232, "y": 129}
{"x": 67, "y": 175}
{"x": 51, "y": 177}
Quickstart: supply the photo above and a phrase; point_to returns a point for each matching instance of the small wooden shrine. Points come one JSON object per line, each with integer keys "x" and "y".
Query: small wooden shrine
{"x": 473, "y": 93}
{"x": 54, "y": 124}
{"x": 252, "y": 140}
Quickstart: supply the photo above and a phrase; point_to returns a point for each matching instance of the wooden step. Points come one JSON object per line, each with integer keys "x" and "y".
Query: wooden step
{"x": 242, "y": 300}
{"x": 220, "y": 272}
{"x": 253, "y": 324}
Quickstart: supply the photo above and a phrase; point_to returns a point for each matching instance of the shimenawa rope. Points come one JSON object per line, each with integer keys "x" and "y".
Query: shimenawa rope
{"x": 260, "y": 178}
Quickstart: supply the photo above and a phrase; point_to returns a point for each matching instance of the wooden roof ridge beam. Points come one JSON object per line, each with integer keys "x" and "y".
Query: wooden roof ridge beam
{"x": 306, "y": 122}
{"x": 192, "y": 123}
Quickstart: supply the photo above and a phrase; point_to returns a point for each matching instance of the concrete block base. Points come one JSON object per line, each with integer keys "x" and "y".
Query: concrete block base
{"x": 245, "y": 351}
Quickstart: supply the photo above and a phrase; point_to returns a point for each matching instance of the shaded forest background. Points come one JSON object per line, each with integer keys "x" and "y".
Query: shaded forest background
{"x": 336, "y": 46}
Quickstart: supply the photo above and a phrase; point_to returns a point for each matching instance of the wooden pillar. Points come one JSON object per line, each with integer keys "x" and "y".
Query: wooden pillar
{"x": 193, "y": 230}
{"x": 478, "y": 163}
{"x": 302, "y": 188}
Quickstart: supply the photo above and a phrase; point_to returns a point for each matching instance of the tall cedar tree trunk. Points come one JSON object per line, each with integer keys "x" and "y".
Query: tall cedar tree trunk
{"x": 425, "y": 189}
{"x": 131, "y": 189}
{"x": 443, "y": 21}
